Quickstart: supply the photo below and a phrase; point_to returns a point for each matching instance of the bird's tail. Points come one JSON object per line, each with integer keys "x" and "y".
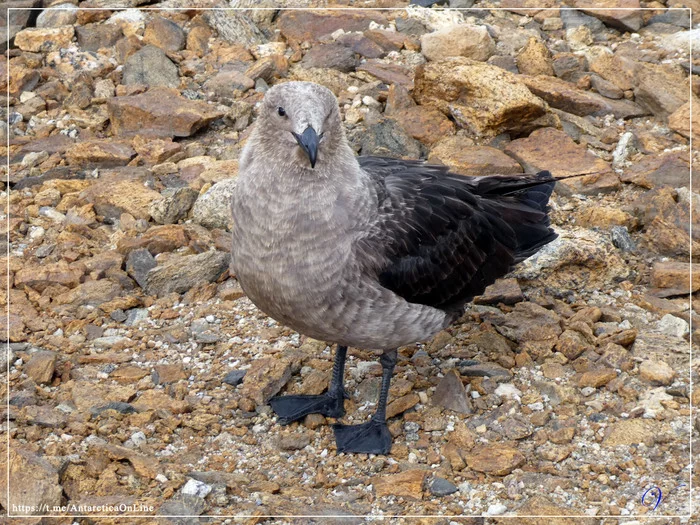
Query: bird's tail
{"x": 522, "y": 201}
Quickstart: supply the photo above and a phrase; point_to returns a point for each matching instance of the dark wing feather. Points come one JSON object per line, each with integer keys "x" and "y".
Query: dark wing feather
{"x": 446, "y": 237}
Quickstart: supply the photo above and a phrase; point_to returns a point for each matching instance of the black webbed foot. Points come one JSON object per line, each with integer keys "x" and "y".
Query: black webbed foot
{"x": 293, "y": 408}
{"x": 372, "y": 437}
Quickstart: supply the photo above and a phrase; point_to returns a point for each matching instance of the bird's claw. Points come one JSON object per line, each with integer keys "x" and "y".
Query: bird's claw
{"x": 372, "y": 437}
{"x": 293, "y": 408}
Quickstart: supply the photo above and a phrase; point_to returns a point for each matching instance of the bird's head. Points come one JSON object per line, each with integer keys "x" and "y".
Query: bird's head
{"x": 302, "y": 120}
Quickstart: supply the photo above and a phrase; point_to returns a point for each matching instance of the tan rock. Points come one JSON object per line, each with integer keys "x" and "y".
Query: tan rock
{"x": 546, "y": 512}
{"x": 656, "y": 372}
{"x": 269, "y": 68}
{"x": 154, "y": 150}
{"x": 33, "y": 482}
{"x": 534, "y": 59}
{"x": 463, "y": 157}
{"x": 161, "y": 112}
{"x": 680, "y": 120}
{"x": 164, "y": 34}
{"x": 40, "y": 277}
{"x": 506, "y": 291}
{"x": 265, "y": 378}
{"x": 41, "y": 366}
{"x": 670, "y": 169}
{"x": 406, "y": 484}
{"x": 597, "y": 378}
{"x": 460, "y": 40}
{"x": 661, "y": 88}
{"x": 631, "y": 432}
{"x": 165, "y": 374}
{"x": 572, "y": 344}
{"x": 485, "y": 100}
{"x": 112, "y": 198}
{"x": 44, "y": 39}
{"x": 605, "y": 217}
{"x": 157, "y": 400}
{"x": 21, "y": 78}
{"x": 613, "y": 68}
{"x": 88, "y": 394}
{"x": 497, "y": 459}
{"x": 400, "y": 405}
{"x": 105, "y": 153}
{"x": 144, "y": 465}
{"x": 425, "y": 124}
{"x": 674, "y": 277}
{"x": 553, "y": 150}
{"x": 300, "y": 26}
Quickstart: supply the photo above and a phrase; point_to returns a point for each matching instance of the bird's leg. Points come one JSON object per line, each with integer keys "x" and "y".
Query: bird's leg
{"x": 330, "y": 404}
{"x": 372, "y": 437}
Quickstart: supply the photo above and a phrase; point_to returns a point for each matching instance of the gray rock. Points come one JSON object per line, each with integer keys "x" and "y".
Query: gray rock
{"x": 174, "y": 205}
{"x": 135, "y": 316}
{"x": 119, "y": 406}
{"x": 138, "y": 264}
{"x": 183, "y": 505}
{"x": 151, "y": 67}
{"x": 330, "y": 56}
{"x": 450, "y": 394}
{"x": 8, "y": 356}
{"x": 180, "y": 274}
{"x": 234, "y": 377}
{"x": 461, "y": 4}
{"x": 295, "y": 441}
{"x": 213, "y": 209}
{"x": 229, "y": 84}
{"x": 573, "y": 18}
{"x": 235, "y": 27}
{"x": 680, "y": 18}
{"x": 621, "y": 239}
{"x": 442, "y": 487}
{"x": 165, "y": 34}
{"x": 388, "y": 139}
{"x": 44, "y": 416}
{"x": 410, "y": 26}
{"x": 203, "y": 332}
{"x": 58, "y": 15}
{"x": 504, "y": 62}
{"x": 194, "y": 487}
{"x": 485, "y": 370}
{"x": 92, "y": 37}
{"x": 118, "y": 315}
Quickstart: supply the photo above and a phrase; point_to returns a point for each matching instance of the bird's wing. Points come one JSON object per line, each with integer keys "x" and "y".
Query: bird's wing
{"x": 445, "y": 237}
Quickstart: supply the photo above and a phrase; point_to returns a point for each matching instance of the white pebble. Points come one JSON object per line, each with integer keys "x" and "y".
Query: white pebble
{"x": 495, "y": 510}
{"x": 196, "y": 488}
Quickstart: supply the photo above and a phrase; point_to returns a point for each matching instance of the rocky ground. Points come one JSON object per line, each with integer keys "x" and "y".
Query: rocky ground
{"x": 139, "y": 372}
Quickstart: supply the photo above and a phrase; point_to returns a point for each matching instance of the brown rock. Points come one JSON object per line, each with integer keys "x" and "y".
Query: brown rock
{"x": 89, "y": 293}
{"x": 506, "y": 291}
{"x": 463, "y": 157}
{"x": 534, "y": 59}
{"x": 128, "y": 374}
{"x": 41, "y": 366}
{"x": 106, "y": 153}
{"x": 112, "y": 198}
{"x": 484, "y": 99}
{"x": 22, "y": 79}
{"x": 624, "y": 15}
{"x": 92, "y": 37}
{"x": 41, "y": 277}
{"x": 198, "y": 39}
{"x": 165, "y": 374}
{"x": 44, "y": 39}
{"x": 153, "y": 150}
{"x": 450, "y": 394}
{"x": 159, "y": 111}
{"x": 597, "y": 378}
{"x": 530, "y": 322}
{"x": 300, "y": 26}
{"x": 144, "y": 465}
{"x": 460, "y": 40}
{"x": 400, "y": 405}
{"x": 229, "y": 84}
{"x": 181, "y": 273}
{"x": 265, "y": 378}
{"x": 269, "y": 68}
{"x": 330, "y": 56}
{"x": 497, "y": 459}
{"x": 293, "y": 441}
{"x": 680, "y": 120}
{"x": 547, "y": 512}
{"x": 631, "y": 432}
{"x": 656, "y": 372}
{"x": 388, "y": 73}
{"x": 616, "y": 69}
{"x": 164, "y": 34}
{"x": 159, "y": 400}
{"x": 572, "y": 344}
{"x": 673, "y": 278}
{"x": 567, "y": 97}
{"x": 425, "y": 124}
{"x": 87, "y": 394}
{"x": 661, "y": 88}
{"x": 407, "y": 484}
{"x": 553, "y": 150}
{"x": 671, "y": 169}
{"x": 33, "y": 482}
{"x": 605, "y": 217}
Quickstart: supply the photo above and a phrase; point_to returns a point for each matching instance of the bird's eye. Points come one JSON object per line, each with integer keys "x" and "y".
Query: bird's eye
{"x": 281, "y": 112}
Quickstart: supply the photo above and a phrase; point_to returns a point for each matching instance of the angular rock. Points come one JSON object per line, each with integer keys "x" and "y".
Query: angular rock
{"x": 424, "y": 124}
{"x": 44, "y": 39}
{"x": 234, "y": 377}
{"x": 138, "y": 264}
{"x": 265, "y": 378}
{"x": 408, "y": 484}
{"x": 160, "y": 111}
{"x": 673, "y": 278}
{"x": 159, "y": 400}
{"x": 144, "y": 465}
{"x": 59, "y": 15}
{"x": 450, "y": 394}
{"x": 40, "y": 277}
{"x": 441, "y": 487}
{"x": 496, "y": 459}
{"x": 106, "y": 153}
{"x": 624, "y": 15}
{"x": 460, "y": 40}
{"x": 92, "y": 37}
{"x": 388, "y": 73}
{"x": 235, "y": 27}
{"x": 656, "y": 372}
{"x": 463, "y": 157}
{"x": 295, "y": 441}
{"x": 681, "y": 119}
{"x": 400, "y": 405}
{"x": 597, "y": 377}
{"x": 41, "y": 366}
{"x": 302, "y": 25}
{"x": 174, "y": 205}
{"x": 230, "y": 84}
{"x": 150, "y": 66}
{"x": 572, "y": 344}
{"x": 164, "y": 33}
{"x": 112, "y": 198}
{"x": 180, "y": 273}
{"x": 631, "y": 432}
{"x": 671, "y": 169}
{"x": 213, "y": 208}
{"x": 506, "y": 291}
{"x": 553, "y": 150}
{"x": 534, "y": 59}
{"x": 567, "y": 97}
{"x": 331, "y": 56}
{"x": 660, "y": 88}
{"x": 485, "y": 100}
{"x": 33, "y": 482}
{"x": 576, "y": 260}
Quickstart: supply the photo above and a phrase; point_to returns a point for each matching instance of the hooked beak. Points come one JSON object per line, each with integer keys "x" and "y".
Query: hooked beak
{"x": 309, "y": 143}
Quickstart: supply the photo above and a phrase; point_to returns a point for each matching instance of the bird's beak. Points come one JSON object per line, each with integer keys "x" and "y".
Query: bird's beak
{"x": 309, "y": 143}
